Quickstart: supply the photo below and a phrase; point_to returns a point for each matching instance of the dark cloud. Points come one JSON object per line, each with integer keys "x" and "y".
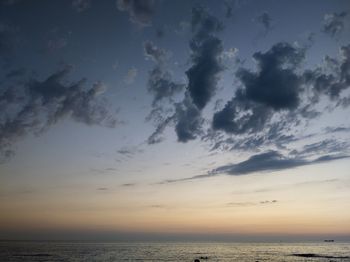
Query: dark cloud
{"x": 140, "y": 11}
{"x": 163, "y": 89}
{"x": 270, "y": 93}
{"x": 188, "y": 121}
{"x": 34, "y": 106}
{"x": 206, "y": 52}
{"x": 330, "y": 130}
{"x": 334, "y": 23}
{"x": 269, "y": 161}
{"x": 333, "y": 79}
{"x": 265, "y": 20}
{"x": 81, "y": 5}
{"x": 230, "y": 118}
{"x": 160, "y": 83}
{"x": 276, "y": 83}
{"x": 327, "y": 146}
{"x": 156, "y": 136}
{"x": 280, "y": 97}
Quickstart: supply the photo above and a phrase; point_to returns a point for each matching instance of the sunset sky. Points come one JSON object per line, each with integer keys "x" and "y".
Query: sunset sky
{"x": 161, "y": 119}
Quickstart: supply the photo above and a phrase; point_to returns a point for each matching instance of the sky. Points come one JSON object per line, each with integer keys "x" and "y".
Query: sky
{"x": 160, "y": 119}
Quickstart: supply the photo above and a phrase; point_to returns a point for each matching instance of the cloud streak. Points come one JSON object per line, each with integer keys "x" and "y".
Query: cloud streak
{"x": 269, "y": 161}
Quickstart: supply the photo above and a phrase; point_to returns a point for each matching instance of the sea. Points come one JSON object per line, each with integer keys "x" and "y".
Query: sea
{"x": 172, "y": 251}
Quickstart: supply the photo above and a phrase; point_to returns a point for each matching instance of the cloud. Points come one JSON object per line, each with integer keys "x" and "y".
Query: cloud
{"x": 248, "y": 204}
{"x": 128, "y": 152}
{"x": 264, "y": 20}
{"x": 140, "y": 11}
{"x": 276, "y": 83}
{"x": 128, "y": 185}
{"x": 229, "y": 120}
{"x": 283, "y": 187}
{"x": 56, "y": 39}
{"x": 81, "y": 5}
{"x": 269, "y": 161}
{"x": 55, "y": 44}
{"x": 36, "y": 105}
{"x": 334, "y": 23}
{"x": 281, "y": 97}
{"x": 156, "y": 136}
{"x": 230, "y": 53}
{"x": 326, "y": 146}
{"x": 160, "y": 83}
{"x": 206, "y": 51}
{"x": 330, "y": 130}
{"x": 163, "y": 89}
{"x": 188, "y": 121}
{"x": 273, "y": 88}
{"x": 206, "y": 55}
{"x": 131, "y": 76}
{"x": 102, "y": 189}
{"x": 155, "y": 53}
{"x": 333, "y": 79}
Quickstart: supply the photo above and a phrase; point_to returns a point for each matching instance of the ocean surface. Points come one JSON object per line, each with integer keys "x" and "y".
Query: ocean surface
{"x": 172, "y": 251}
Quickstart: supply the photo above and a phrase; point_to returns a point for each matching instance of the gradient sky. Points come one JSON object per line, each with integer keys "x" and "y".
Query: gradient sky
{"x": 160, "y": 119}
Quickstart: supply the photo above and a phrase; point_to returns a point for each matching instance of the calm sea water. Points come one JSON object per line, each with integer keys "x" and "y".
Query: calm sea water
{"x": 169, "y": 251}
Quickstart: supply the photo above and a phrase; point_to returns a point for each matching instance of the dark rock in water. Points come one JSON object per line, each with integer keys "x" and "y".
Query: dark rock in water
{"x": 311, "y": 255}
{"x": 204, "y": 257}
{"x": 197, "y": 260}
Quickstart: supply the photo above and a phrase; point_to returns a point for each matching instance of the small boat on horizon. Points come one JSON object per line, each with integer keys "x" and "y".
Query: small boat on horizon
{"x": 329, "y": 240}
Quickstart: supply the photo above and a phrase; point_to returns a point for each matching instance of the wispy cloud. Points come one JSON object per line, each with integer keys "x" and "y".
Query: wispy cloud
{"x": 140, "y": 11}
{"x": 128, "y": 185}
{"x": 249, "y": 203}
{"x": 265, "y": 162}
